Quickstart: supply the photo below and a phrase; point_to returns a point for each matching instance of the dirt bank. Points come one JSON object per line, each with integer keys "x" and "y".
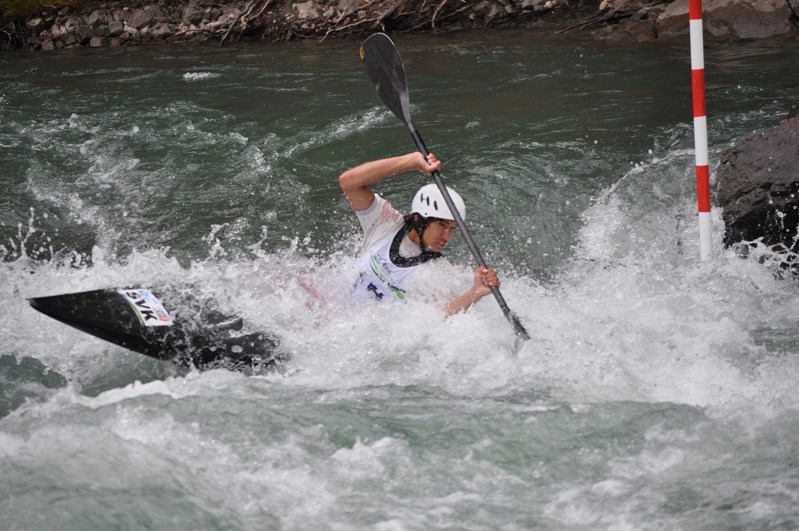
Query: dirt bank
{"x": 221, "y": 22}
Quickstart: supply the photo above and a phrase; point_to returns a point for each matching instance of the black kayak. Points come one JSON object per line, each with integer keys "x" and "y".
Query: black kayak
{"x": 172, "y": 324}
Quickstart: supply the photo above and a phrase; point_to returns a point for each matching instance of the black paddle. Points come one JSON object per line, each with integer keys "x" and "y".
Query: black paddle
{"x": 385, "y": 69}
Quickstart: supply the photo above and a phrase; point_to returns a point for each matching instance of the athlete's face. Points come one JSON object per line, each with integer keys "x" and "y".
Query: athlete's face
{"x": 437, "y": 234}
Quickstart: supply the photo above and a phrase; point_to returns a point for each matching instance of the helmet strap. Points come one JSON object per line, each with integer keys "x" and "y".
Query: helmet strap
{"x": 418, "y": 224}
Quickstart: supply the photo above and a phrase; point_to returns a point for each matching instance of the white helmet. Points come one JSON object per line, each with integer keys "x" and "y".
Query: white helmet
{"x": 429, "y": 202}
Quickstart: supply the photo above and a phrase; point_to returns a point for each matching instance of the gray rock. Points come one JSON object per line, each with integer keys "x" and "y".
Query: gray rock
{"x": 757, "y": 185}
{"x": 163, "y": 31}
{"x": 349, "y": 6}
{"x": 144, "y": 17}
{"x": 96, "y": 17}
{"x": 121, "y": 15}
{"x": 35, "y": 24}
{"x": 756, "y": 20}
{"x": 81, "y": 33}
{"x": 193, "y": 13}
{"x": 307, "y": 10}
{"x": 731, "y": 19}
{"x": 115, "y": 28}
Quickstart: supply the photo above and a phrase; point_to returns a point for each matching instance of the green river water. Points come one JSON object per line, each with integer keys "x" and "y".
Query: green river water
{"x": 656, "y": 392}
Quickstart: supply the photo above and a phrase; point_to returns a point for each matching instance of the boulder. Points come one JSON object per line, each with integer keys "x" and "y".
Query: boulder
{"x": 307, "y": 10}
{"x": 757, "y": 186}
{"x": 755, "y": 20}
{"x": 144, "y": 17}
{"x": 36, "y": 24}
{"x": 194, "y": 13}
{"x": 641, "y": 30}
{"x": 96, "y": 17}
{"x": 731, "y": 19}
{"x": 347, "y": 7}
{"x": 163, "y": 31}
{"x": 121, "y": 15}
{"x": 115, "y": 28}
{"x": 82, "y": 33}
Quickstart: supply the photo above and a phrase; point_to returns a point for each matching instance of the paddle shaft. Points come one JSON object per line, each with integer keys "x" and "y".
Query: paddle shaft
{"x": 439, "y": 180}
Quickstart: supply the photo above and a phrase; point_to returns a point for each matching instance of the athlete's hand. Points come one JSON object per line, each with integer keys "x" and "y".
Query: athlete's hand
{"x": 485, "y": 278}
{"x": 429, "y": 165}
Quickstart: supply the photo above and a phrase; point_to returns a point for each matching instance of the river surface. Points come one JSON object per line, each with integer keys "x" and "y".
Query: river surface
{"x": 656, "y": 391}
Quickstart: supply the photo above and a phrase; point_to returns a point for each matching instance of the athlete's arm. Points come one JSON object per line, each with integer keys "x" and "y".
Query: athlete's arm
{"x": 484, "y": 279}
{"x": 356, "y": 182}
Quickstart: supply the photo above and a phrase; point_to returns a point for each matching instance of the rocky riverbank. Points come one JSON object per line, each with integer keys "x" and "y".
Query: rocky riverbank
{"x": 98, "y": 24}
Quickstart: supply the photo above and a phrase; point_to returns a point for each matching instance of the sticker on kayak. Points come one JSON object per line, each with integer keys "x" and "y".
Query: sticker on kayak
{"x": 148, "y": 308}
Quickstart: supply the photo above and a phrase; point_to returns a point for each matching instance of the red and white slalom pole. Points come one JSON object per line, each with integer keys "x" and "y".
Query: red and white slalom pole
{"x": 700, "y": 126}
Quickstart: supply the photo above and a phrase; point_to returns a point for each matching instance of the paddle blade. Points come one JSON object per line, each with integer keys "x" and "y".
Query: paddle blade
{"x": 384, "y": 67}
{"x": 518, "y": 328}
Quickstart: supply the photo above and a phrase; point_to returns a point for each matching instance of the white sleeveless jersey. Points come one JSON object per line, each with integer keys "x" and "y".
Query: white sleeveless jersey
{"x": 385, "y": 275}
{"x": 382, "y": 273}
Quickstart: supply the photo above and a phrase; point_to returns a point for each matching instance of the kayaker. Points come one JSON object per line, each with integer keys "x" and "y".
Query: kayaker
{"x": 398, "y": 250}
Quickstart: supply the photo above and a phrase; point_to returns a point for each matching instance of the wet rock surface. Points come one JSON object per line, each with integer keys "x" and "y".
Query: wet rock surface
{"x": 757, "y": 186}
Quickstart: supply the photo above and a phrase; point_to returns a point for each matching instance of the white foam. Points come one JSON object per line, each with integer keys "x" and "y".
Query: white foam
{"x": 10, "y": 445}
{"x": 199, "y": 76}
